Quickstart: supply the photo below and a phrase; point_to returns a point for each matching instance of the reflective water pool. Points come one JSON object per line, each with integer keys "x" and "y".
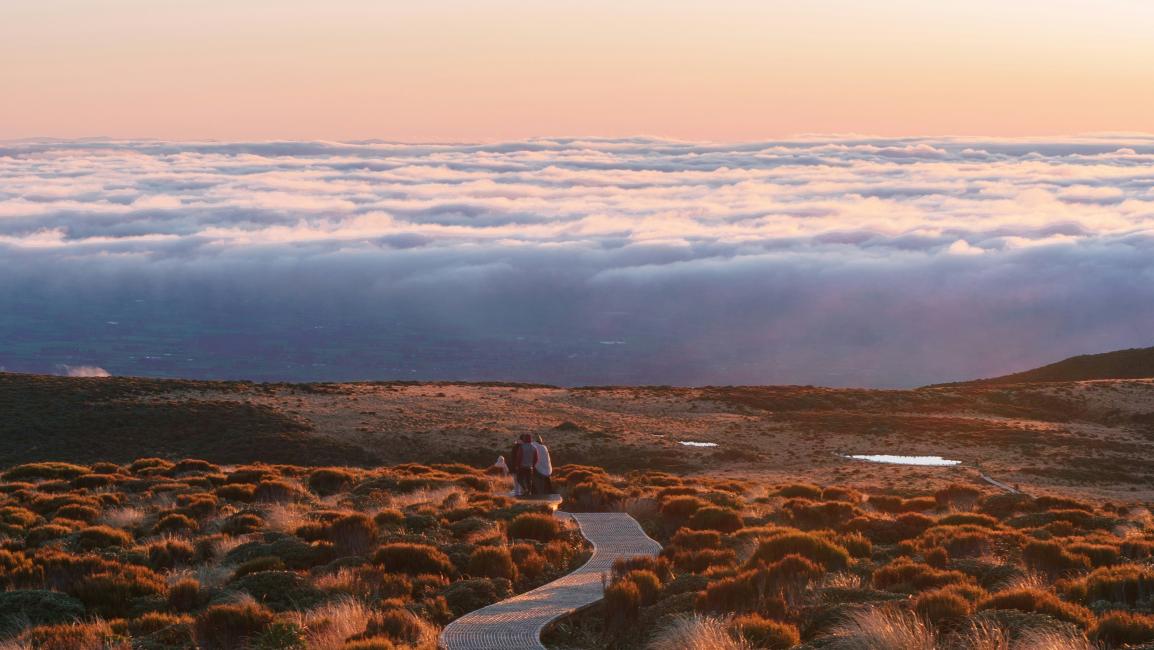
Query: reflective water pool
{"x": 905, "y": 460}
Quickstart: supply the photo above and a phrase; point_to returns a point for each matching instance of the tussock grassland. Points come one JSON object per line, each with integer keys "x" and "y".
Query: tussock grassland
{"x": 802, "y": 565}
{"x": 163, "y": 555}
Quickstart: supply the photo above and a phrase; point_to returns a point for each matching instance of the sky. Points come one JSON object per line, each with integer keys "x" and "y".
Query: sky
{"x": 834, "y": 261}
{"x": 497, "y": 70}
{"x": 839, "y": 192}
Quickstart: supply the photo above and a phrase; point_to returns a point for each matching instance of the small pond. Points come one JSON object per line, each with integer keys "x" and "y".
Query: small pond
{"x": 935, "y": 461}
{"x": 690, "y": 443}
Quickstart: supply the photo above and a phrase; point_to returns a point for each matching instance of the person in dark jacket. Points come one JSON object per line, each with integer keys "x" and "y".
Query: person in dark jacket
{"x": 524, "y": 460}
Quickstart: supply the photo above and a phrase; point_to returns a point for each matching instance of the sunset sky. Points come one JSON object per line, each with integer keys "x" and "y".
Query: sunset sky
{"x": 837, "y": 192}
{"x": 463, "y": 70}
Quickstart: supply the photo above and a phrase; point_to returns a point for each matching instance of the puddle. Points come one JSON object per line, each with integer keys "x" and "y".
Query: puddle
{"x": 690, "y": 443}
{"x": 936, "y": 461}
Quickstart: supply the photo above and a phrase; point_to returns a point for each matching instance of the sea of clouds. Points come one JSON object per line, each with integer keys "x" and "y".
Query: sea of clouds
{"x": 837, "y": 261}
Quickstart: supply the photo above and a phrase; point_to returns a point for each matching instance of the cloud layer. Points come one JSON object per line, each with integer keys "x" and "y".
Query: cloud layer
{"x": 849, "y": 261}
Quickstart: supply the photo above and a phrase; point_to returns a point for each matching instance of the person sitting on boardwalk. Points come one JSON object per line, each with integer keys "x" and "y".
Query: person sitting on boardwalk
{"x": 524, "y": 460}
{"x": 543, "y": 469}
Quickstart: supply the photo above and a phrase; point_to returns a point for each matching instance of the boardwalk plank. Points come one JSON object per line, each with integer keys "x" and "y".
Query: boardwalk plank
{"x": 516, "y": 623}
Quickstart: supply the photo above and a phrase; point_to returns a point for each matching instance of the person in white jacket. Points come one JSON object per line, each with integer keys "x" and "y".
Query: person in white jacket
{"x": 543, "y": 469}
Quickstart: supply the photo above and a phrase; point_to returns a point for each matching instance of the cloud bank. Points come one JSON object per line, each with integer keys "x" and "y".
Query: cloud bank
{"x": 837, "y": 261}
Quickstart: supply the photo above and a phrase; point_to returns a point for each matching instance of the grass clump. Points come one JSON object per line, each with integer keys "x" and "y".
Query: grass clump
{"x": 534, "y": 526}
{"x": 230, "y": 626}
{"x": 823, "y": 552}
{"x": 1039, "y": 601}
{"x": 760, "y": 632}
{"x": 413, "y": 559}
{"x": 45, "y": 471}
{"x": 1116, "y": 629}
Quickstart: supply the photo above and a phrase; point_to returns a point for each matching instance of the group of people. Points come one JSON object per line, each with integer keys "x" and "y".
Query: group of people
{"x": 530, "y": 465}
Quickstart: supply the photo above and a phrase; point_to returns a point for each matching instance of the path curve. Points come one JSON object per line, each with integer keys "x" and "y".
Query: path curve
{"x": 516, "y": 623}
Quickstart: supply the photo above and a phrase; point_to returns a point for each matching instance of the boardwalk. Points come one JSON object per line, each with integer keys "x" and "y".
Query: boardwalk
{"x": 516, "y": 623}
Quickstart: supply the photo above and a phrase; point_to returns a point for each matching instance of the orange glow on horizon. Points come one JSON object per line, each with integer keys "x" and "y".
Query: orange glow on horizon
{"x": 457, "y": 70}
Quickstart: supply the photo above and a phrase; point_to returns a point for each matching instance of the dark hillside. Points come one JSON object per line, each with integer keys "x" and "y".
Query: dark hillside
{"x": 1135, "y": 363}
{"x": 117, "y": 418}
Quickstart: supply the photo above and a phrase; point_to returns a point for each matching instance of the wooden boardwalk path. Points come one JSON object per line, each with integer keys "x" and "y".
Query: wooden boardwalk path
{"x": 516, "y": 623}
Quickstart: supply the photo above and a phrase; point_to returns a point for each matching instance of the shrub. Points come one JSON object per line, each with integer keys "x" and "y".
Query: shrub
{"x": 197, "y": 506}
{"x": 1004, "y": 504}
{"x": 1126, "y": 584}
{"x": 714, "y": 518}
{"x": 696, "y": 539}
{"x": 295, "y": 553}
{"x": 1041, "y": 602}
{"x": 44, "y": 471}
{"x": 62, "y": 570}
{"x": 937, "y": 557}
{"x": 242, "y": 524}
{"x": 95, "y": 537}
{"x": 169, "y": 553}
{"x": 174, "y": 522}
{"x": 1123, "y": 628}
{"x": 681, "y": 508}
{"x": 46, "y": 533}
{"x": 647, "y": 582}
{"x": 824, "y": 552}
{"x": 492, "y": 562}
{"x": 111, "y": 594}
{"x": 536, "y": 526}
{"x": 352, "y": 534}
{"x": 702, "y": 560}
{"x": 837, "y": 493}
{"x": 389, "y": 517}
{"x": 79, "y": 512}
{"x": 530, "y": 564}
{"x": 396, "y": 624}
{"x": 1052, "y": 558}
{"x": 856, "y": 544}
{"x": 96, "y": 635}
{"x": 278, "y": 491}
{"x": 622, "y": 604}
{"x": 279, "y": 590}
{"x": 162, "y": 630}
{"x": 143, "y": 464}
{"x": 1099, "y": 554}
{"x": 185, "y": 595}
{"x": 242, "y": 492}
{"x": 807, "y": 514}
{"x": 92, "y": 481}
{"x": 963, "y": 496}
{"x": 36, "y": 607}
{"x": 18, "y": 517}
{"x": 746, "y": 592}
{"x": 658, "y": 565}
{"x": 464, "y": 596}
{"x": 942, "y": 606}
{"x": 904, "y": 575}
{"x": 258, "y": 564}
{"x": 968, "y": 519}
{"x": 228, "y": 627}
{"x": 760, "y": 632}
{"x": 252, "y": 474}
{"x": 327, "y": 481}
{"x": 800, "y": 490}
{"x": 413, "y": 559}
{"x": 882, "y": 530}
